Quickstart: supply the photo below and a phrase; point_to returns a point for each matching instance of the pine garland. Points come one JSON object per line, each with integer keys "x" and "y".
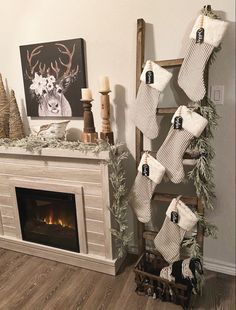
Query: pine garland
{"x": 35, "y": 144}
{"x": 120, "y": 201}
{"x": 117, "y": 177}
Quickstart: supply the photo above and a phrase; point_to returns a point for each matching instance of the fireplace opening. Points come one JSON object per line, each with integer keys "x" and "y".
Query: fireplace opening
{"x": 48, "y": 218}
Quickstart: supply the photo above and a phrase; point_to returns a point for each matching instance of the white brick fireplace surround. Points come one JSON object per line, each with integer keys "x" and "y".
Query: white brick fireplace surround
{"x": 86, "y": 176}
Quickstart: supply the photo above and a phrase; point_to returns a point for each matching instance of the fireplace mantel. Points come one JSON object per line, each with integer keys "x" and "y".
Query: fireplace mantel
{"x": 84, "y": 174}
{"x": 55, "y": 152}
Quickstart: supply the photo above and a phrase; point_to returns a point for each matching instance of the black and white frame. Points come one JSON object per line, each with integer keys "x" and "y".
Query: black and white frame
{"x": 53, "y": 74}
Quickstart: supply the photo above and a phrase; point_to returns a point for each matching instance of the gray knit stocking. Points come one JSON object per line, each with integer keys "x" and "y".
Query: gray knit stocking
{"x": 144, "y": 186}
{"x": 144, "y": 110}
{"x": 168, "y": 240}
{"x": 191, "y": 75}
{"x": 140, "y": 197}
{"x": 170, "y": 154}
{"x": 153, "y": 82}
{"x": 170, "y": 237}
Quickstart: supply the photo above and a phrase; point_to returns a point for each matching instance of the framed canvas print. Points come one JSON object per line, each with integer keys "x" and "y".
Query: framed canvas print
{"x": 53, "y": 75}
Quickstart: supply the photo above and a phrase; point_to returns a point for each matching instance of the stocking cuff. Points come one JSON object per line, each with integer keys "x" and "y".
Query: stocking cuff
{"x": 156, "y": 170}
{"x": 186, "y": 218}
{"x": 193, "y": 122}
{"x": 161, "y": 75}
{"x": 214, "y": 30}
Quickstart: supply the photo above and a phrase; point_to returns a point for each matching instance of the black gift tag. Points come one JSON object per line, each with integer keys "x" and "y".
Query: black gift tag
{"x": 145, "y": 170}
{"x": 178, "y": 122}
{"x": 204, "y": 154}
{"x": 174, "y": 217}
{"x": 200, "y": 35}
{"x": 149, "y": 77}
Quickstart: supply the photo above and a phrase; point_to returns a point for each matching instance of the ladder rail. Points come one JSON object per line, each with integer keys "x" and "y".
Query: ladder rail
{"x": 171, "y": 63}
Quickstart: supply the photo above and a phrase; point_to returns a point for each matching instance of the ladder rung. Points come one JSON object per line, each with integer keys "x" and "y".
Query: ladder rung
{"x": 149, "y": 235}
{"x": 193, "y": 155}
{"x": 164, "y": 111}
{"x": 164, "y": 197}
{"x": 171, "y": 63}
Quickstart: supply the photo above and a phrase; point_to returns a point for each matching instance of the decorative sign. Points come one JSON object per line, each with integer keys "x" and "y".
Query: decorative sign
{"x": 149, "y": 77}
{"x": 53, "y": 75}
{"x": 178, "y": 122}
{"x": 145, "y": 170}
{"x": 174, "y": 217}
{"x": 200, "y": 35}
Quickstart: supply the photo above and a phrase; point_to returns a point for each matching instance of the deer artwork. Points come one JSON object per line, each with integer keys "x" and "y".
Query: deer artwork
{"x": 49, "y": 84}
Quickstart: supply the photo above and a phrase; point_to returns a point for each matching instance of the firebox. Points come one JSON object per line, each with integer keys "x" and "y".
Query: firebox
{"x": 48, "y": 218}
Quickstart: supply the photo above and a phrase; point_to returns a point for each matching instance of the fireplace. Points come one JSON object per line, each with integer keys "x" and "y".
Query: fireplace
{"x": 48, "y": 218}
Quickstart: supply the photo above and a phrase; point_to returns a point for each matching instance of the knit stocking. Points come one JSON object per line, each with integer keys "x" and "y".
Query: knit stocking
{"x": 144, "y": 109}
{"x": 168, "y": 240}
{"x": 170, "y": 237}
{"x": 170, "y": 154}
{"x": 191, "y": 75}
{"x": 144, "y": 186}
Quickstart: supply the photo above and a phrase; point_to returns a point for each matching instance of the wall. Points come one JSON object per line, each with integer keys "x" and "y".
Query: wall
{"x": 109, "y": 28}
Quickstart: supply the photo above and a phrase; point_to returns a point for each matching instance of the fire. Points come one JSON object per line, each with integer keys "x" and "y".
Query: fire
{"x": 50, "y": 220}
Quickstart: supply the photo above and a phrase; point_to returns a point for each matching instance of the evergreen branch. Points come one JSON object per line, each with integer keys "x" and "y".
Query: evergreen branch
{"x": 210, "y": 230}
{"x": 120, "y": 200}
{"x": 192, "y": 247}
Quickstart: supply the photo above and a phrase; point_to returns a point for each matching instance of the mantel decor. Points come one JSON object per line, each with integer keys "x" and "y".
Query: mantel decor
{"x": 89, "y": 133}
{"x": 106, "y": 133}
{"x": 118, "y": 208}
{"x": 53, "y": 74}
{"x": 4, "y": 111}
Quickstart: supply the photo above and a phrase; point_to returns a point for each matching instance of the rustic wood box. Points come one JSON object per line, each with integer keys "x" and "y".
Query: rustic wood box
{"x": 150, "y": 284}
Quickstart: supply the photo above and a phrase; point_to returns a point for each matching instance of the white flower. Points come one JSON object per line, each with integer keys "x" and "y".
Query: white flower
{"x": 49, "y": 86}
{"x": 51, "y": 79}
{"x": 58, "y": 88}
{"x": 38, "y": 84}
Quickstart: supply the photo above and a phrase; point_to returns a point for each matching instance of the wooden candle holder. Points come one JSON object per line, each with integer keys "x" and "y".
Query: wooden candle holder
{"x": 106, "y": 133}
{"x": 89, "y": 134}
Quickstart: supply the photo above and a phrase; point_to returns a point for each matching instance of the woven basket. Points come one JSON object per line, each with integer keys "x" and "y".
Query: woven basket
{"x": 149, "y": 283}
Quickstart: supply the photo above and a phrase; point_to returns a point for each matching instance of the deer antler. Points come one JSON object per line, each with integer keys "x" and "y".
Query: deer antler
{"x": 35, "y": 51}
{"x": 42, "y": 68}
{"x": 55, "y": 68}
{"x": 69, "y": 54}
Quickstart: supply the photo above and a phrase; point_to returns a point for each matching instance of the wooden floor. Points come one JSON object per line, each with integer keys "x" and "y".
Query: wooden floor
{"x": 30, "y": 283}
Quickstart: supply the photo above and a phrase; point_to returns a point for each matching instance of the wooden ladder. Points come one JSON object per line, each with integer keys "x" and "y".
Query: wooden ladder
{"x": 162, "y": 197}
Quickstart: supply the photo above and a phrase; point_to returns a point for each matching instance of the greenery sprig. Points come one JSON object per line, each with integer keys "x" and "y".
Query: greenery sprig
{"x": 210, "y": 230}
{"x": 120, "y": 201}
{"x": 36, "y": 144}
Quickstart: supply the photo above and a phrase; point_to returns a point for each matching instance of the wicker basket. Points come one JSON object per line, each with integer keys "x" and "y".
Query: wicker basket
{"x": 149, "y": 283}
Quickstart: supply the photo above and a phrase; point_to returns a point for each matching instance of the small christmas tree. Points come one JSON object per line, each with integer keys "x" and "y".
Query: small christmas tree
{"x": 4, "y": 111}
{"x": 15, "y": 123}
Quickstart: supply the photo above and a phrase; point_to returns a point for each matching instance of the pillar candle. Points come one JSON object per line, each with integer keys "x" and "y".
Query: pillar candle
{"x": 86, "y": 94}
{"x": 104, "y": 84}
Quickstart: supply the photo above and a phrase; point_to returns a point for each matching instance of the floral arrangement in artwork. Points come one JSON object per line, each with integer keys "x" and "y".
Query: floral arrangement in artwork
{"x": 53, "y": 76}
